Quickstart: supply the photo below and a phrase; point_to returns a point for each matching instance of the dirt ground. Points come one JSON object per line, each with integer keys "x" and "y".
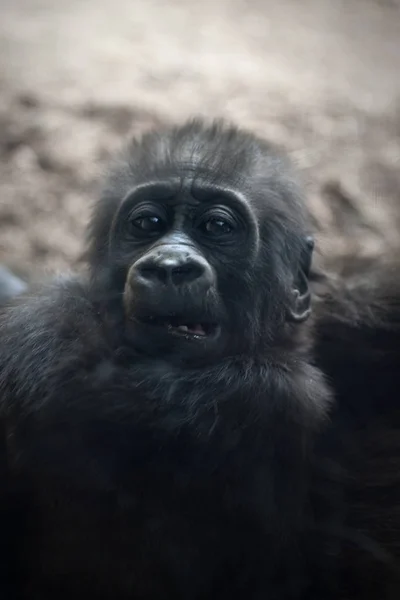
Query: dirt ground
{"x": 319, "y": 77}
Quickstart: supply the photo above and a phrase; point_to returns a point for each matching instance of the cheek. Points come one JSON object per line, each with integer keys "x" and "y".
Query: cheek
{"x": 231, "y": 262}
{"x": 237, "y": 286}
{"x": 128, "y": 290}
{"x": 237, "y": 268}
{"x": 128, "y": 299}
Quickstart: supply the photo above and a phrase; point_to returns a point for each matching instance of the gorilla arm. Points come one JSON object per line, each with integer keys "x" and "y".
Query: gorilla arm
{"x": 357, "y": 335}
{"x": 33, "y": 333}
{"x": 357, "y": 345}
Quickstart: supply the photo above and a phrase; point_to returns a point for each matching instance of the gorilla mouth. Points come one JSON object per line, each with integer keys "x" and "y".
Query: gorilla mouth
{"x": 180, "y": 326}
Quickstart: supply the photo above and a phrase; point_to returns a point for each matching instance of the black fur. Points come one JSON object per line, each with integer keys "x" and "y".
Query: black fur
{"x": 357, "y": 338}
{"x": 357, "y": 344}
{"x": 139, "y": 464}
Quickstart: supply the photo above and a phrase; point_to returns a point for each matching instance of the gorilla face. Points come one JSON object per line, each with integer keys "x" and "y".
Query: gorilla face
{"x": 210, "y": 255}
{"x": 177, "y": 244}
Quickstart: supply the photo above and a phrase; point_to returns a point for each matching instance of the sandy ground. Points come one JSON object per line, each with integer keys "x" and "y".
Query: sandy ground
{"x": 319, "y": 77}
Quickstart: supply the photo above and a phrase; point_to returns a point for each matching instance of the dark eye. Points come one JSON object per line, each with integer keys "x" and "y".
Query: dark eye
{"x": 216, "y": 226}
{"x": 149, "y": 224}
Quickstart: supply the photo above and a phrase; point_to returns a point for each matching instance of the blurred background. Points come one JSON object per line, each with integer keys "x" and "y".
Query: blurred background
{"x": 319, "y": 77}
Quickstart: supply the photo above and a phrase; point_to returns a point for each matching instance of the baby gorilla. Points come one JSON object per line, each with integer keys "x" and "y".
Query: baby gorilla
{"x": 159, "y": 420}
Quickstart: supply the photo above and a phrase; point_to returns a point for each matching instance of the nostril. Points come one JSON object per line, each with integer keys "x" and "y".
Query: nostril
{"x": 186, "y": 273}
{"x": 153, "y": 273}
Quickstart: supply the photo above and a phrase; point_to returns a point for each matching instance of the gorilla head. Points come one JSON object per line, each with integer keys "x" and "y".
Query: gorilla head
{"x": 202, "y": 237}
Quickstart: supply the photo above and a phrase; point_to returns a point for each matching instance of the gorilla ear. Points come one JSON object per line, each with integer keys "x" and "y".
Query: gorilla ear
{"x": 300, "y": 308}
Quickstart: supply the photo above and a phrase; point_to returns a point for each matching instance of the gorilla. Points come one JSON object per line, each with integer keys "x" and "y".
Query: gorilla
{"x": 172, "y": 424}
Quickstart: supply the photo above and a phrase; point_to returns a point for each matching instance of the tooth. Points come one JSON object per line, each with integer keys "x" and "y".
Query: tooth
{"x": 198, "y": 329}
{"x": 183, "y": 328}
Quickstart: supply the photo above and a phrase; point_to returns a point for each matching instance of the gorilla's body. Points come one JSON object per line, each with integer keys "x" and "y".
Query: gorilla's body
{"x": 166, "y": 433}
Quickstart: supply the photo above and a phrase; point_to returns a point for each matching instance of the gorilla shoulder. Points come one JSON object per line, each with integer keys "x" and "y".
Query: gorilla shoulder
{"x": 43, "y": 330}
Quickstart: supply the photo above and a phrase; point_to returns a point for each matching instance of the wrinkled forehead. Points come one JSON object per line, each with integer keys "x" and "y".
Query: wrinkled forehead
{"x": 192, "y": 187}
{"x": 204, "y": 169}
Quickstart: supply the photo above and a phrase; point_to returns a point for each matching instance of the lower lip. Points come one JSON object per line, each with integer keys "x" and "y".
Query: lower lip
{"x": 177, "y": 333}
{"x": 185, "y": 334}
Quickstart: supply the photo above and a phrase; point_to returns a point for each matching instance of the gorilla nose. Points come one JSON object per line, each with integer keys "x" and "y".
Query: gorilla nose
{"x": 173, "y": 268}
